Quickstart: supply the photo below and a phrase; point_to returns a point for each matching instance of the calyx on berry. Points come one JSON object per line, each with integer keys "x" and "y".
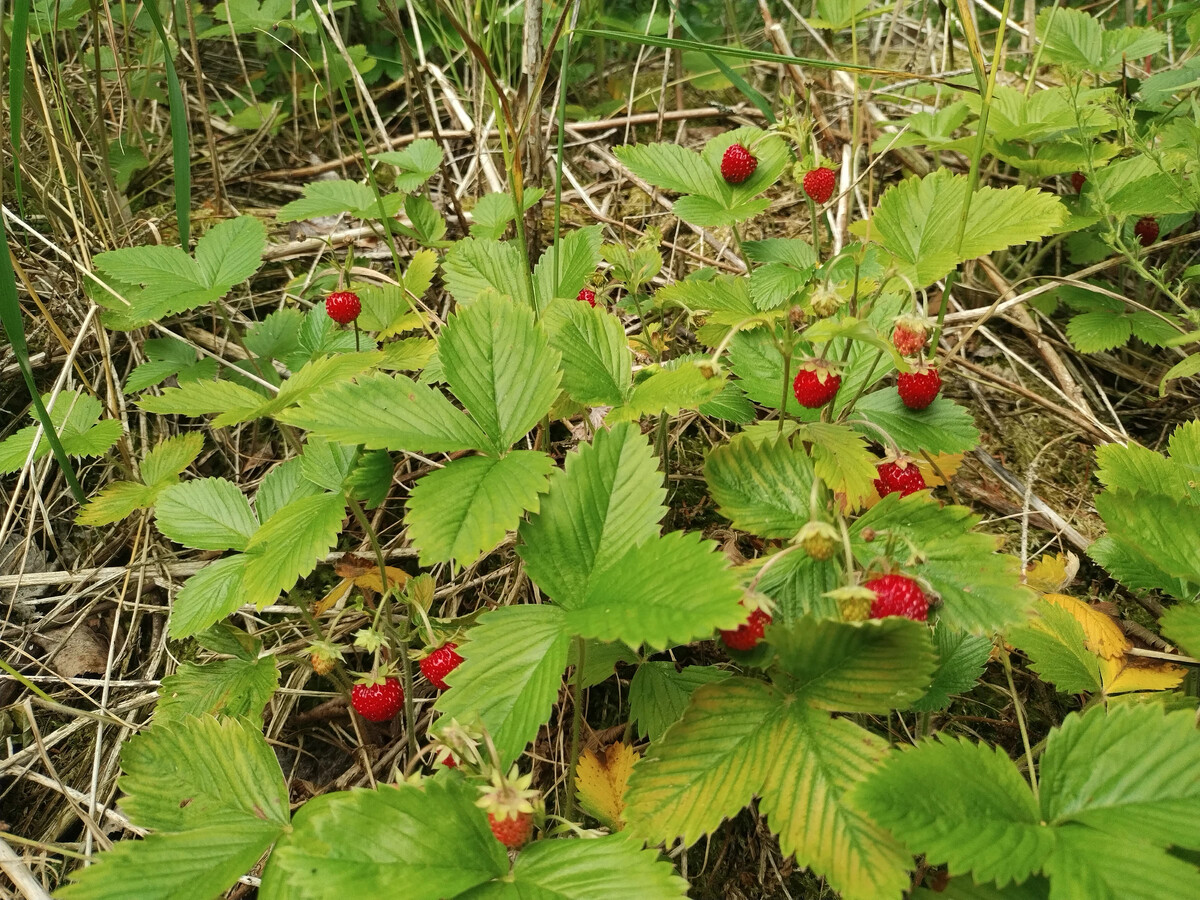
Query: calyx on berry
{"x": 819, "y": 539}
{"x": 509, "y": 802}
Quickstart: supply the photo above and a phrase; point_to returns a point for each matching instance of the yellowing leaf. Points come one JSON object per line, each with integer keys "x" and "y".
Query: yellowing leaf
{"x": 947, "y": 464}
{"x": 1135, "y": 673}
{"x": 601, "y": 783}
{"x": 1102, "y": 635}
{"x": 371, "y": 580}
{"x": 330, "y": 600}
{"x": 1052, "y": 573}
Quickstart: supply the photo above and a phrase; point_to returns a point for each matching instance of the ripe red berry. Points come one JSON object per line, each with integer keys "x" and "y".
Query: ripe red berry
{"x": 378, "y": 702}
{"x": 898, "y": 595}
{"x": 893, "y": 477}
{"x": 815, "y": 385}
{"x": 919, "y": 387}
{"x": 738, "y": 164}
{"x": 1078, "y": 179}
{"x": 343, "y": 307}
{"x": 909, "y": 335}
{"x": 512, "y": 831}
{"x": 747, "y": 635}
{"x": 440, "y": 663}
{"x": 819, "y": 183}
{"x": 587, "y": 295}
{"x": 1146, "y": 230}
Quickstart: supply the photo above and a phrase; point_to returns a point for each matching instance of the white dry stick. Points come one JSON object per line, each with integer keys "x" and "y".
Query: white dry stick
{"x": 12, "y": 866}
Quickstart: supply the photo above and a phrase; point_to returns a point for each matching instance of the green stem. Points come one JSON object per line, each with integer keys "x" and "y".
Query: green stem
{"x": 576, "y": 725}
{"x": 1020, "y": 710}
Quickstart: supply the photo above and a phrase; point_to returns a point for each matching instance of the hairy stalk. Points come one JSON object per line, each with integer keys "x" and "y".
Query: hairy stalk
{"x": 1020, "y": 710}
{"x": 576, "y": 725}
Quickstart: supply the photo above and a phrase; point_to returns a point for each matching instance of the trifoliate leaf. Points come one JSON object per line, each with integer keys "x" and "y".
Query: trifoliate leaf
{"x": 576, "y": 256}
{"x": 961, "y": 660}
{"x": 595, "y": 356}
{"x": 205, "y": 514}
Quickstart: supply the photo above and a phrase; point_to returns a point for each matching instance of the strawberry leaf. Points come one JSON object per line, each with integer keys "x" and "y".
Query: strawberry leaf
{"x": 762, "y": 487}
{"x": 76, "y": 420}
{"x": 596, "y": 869}
{"x": 332, "y": 198}
{"x": 475, "y": 265}
{"x": 596, "y": 363}
{"x": 659, "y": 694}
{"x": 1182, "y": 624}
{"x": 208, "y": 596}
{"x": 961, "y": 661}
{"x": 289, "y": 544}
{"x": 943, "y": 427}
{"x": 232, "y": 688}
{"x": 1054, "y": 641}
{"x": 206, "y": 514}
{"x": 578, "y": 255}
{"x": 669, "y": 390}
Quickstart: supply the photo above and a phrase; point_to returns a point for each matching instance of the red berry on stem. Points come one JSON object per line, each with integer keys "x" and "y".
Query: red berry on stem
{"x": 819, "y": 184}
{"x": 898, "y": 595}
{"x": 815, "y": 385}
{"x": 738, "y": 164}
{"x": 1078, "y": 179}
{"x": 893, "y": 478}
{"x": 512, "y": 831}
{"x": 587, "y": 295}
{"x": 747, "y": 635}
{"x": 378, "y": 701}
{"x": 440, "y": 663}
{"x": 919, "y": 387}
{"x": 1146, "y": 230}
{"x": 343, "y": 307}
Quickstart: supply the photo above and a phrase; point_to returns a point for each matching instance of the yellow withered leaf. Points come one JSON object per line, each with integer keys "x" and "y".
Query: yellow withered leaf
{"x": 1052, "y": 572}
{"x": 601, "y": 781}
{"x": 947, "y": 464}
{"x": 330, "y": 600}
{"x": 1134, "y": 673}
{"x": 372, "y": 581}
{"x": 1101, "y": 634}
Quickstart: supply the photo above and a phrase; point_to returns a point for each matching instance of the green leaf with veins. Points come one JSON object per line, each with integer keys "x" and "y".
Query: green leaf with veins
{"x": 659, "y": 694}
{"x": 761, "y": 488}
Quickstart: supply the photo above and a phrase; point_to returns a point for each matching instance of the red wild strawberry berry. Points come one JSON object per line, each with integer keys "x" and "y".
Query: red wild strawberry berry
{"x": 819, "y": 183}
{"x": 440, "y": 663}
{"x": 919, "y": 387}
{"x": 893, "y": 478}
{"x": 378, "y": 701}
{"x": 1146, "y": 230}
{"x": 738, "y": 164}
{"x": 343, "y": 307}
{"x": 898, "y": 595}
{"x": 909, "y": 335}
{"x": 747, "y": 635}
{"x": 513, "y": 832}
{"x": 815, "y": 385}
{"x": 1078, "y": 179}
{"x": 587, "y": 295}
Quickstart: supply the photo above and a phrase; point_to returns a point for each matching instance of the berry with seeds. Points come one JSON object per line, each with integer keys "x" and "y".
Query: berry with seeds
{"x": 1146, "y": 230}
{"x": 819, "y": 184}
{"x": 1078, "y": 179}
{"x": 377, "y": 700}
{"x": 738, "y": 164}
{"x": 747, "y": 635}
{"x": 512, "y": 832}
{"x": 440, "y": 663}
{"x": 815, "y": 384}
{"x": 919, "y": 387}
{"x": 509, "y": 804}
{"x": 909, "y": 335}
{"x": 898, "y": 595}
{"x": 587, "y": 295}
{"x": 343, "y": 307}
{"x": 900, "y": 476}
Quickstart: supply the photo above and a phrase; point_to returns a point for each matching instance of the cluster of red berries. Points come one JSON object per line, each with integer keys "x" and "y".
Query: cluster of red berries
{"x": 379, "y": 699}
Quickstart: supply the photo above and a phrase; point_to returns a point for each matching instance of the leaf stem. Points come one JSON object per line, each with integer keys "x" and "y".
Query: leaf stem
{"x": 576, "y": 725}
{"x": 1020, "y": 710}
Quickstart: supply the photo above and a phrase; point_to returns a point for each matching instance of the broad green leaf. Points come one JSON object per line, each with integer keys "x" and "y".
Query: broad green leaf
{"x": 799, "y": 585}
{"x": 388, "y": 412}
{"x": 230, "y": 688}
{"x": 961, "y": 660}
{"x": 1182, "y": 625}
{"x": 498, "y": 362}
{"x": 668, "y": 391}
{"x": 510, "y": 675}
{"x": 421, "y": 843}
{"x": 417, "y": 162}
{"x": 200, "y": 398}
{"x": 280, "y": 486}
{"x": 667, "y": 590}
{"x": 166, "y": 462}
{"x": 114, "y": 502}
{"x": 607, "y": 500}
{"x": 1087, "y": 864}
{"x": 493, "y": 212}
{"x": 1131, "y": 772}
{"x": 370, "y": 479}
{"x": 318, "y": 373}
{"x": 730, "y": 405}
{"x": 461, "y": 511}
{"x": 979, "y": 589}
{"x": 578, "y": 255}
{"x": 709, "y": 212}
{"x": 841, "y": 459}
{"x": 596, "y": 362}
{"x": 1185, "y": 368}
{"x": 277, "y": 336}
{"x": 1161, "y": 533}
{"x": 1134, "y": 468}
{"x": 873, "y": 666}
{"x": 600, "y": 658}
{"x": 472, "y": 266}
{"x": 943, "y": 427}
{"x": 762, "y": 488}
{"x": 74, "y": 416}
{"x": 961, "y": 804}
{"x": 659, "y": 694}
{"x": 917, "y": 221}
{"x": 205, "y": 514}
{"x": 596, "y": 869}
{"x": 1071, "y": 37}
{"x": 231, "y": 251}
{"x": 289, "y": 544}
{"x": 331, "y": 198}
{"x": 407, "y": 355}
{"x": 326, "y": 463}
{"x": 1054, "y": 641}
{"x": 671, "y": 167}
{"x": 1096, "y": 332}
{"x": 208, "y": 596}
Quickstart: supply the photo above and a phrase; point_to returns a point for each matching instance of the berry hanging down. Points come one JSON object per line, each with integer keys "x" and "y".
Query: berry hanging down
{"x": 1078, "y": 180}
{"x": 1146, "y": 230}
{"x": 440, "y": 663}
{"x": 899, "y": 476}
{"x": 747, "y": 635}
{"x": 898, "y": 595}
{"x": 738, "y": 164}
{"x": 909, "y": 335}
{"x": 377, "y": 700}
{"x": 509, "y": 805}
{"x": 919, "y": 387}
{"x": 819, "y": 184}
{"x": 587, "y": 295}
{"x": 343, "y": 307}
{"x": 815, "y": 384}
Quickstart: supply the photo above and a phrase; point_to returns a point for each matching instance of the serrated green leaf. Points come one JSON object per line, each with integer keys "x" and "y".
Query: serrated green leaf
{"x": 498, "y": 362}
{"x": 873, "y": 666}
{"x": 493, "y": 212}
{"x": 1054, "y": 641}
{"x": 841, "y": 459}
{"x": 472, "y": 266}
{"x": 668, "y": 391}
{"x": 980, "y": 589}
{"x": 370, "y": 480}
{"x": 1134, "y": 468}
{"x": 74, "y": 416}
{"x": 799, "y": 584}
{"x": 578, "y": 255}
{"x": 280, "y": 486}
{"x": 667, "y": 590}
{"x": 277, "y": 336}
{"x": 201, "y": 398}
{"x": 289, "y": 544}
{"x": 417, "y": 162}
{"x": 114, "y": 502}
{"x": 230, "y": 688}
{"x": 1185, "y": 368}
{"x": 326, "y": 463}
{"x": 961, "y": 661}
{"x": 761, "y": 488}
{"x": 596, "y": 362}
{"x": 659, "y": 694}
{"x": 600, "y": 658}
{"x": 1182, "y": 625}
{"x": 388, "y": 412}
{"x": 422, "y": 843}
{"x": 408, "y": 355}
{"x": 510, "y": 675}
{"x": 943, "y": 427}
{"x": 208, "y": 596}
{"x": 606, "y": 500}
{"x": 1085, "y": 866}
{"x": 671, "y": 167}
{"x": 205, "y": 514}
{"x": 1155, "y": 535}
{"x": 709, "y": 212}
{"x": 730, "y": 405}
{"x": 331, "y": 198}
{"x": 1095, "y": 332}
{"x": 461, "y": 511}
{"x": 169, "y": 458}
{"x": 230, "y": 252}
{"x": 917, "y": 221}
